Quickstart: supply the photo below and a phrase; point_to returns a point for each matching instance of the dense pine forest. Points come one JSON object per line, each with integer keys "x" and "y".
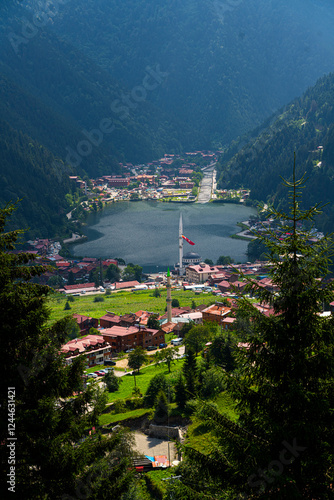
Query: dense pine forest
{"x": 306, "y": 127}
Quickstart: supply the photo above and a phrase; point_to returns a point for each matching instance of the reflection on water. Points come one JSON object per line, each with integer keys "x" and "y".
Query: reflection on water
{"x": 146, "y": 233}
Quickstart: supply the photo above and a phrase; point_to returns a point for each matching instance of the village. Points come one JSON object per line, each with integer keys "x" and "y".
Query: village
{"x": 173, "y": 178}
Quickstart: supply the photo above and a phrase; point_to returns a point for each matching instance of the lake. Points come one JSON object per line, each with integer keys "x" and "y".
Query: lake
{"x": 146, "y": 233}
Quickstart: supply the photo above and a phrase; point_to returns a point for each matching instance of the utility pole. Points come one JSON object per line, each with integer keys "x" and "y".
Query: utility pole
{"x": 169, "y": 298}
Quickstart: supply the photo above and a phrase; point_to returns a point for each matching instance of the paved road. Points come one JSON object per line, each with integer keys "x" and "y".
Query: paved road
{"x": 207, "y": 186}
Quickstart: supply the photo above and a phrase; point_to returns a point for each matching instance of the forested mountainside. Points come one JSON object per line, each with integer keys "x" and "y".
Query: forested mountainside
{"x": 140, "y": 78}
{"x": 306, "y": 127}
{"x": 28, "y": 173}
{"x": 65, "y": 92}
{"x": 230, "y": 63}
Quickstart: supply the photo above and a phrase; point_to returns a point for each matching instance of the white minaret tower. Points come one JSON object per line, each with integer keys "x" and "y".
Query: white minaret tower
{"x": 181, "y": 246}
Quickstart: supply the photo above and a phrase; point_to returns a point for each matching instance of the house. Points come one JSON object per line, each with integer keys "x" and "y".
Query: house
{"x": 79, "y": 288}
{"x": 85, "y": 323}
{"x": 228, "y": 323}
{"x": 124, "y": 338}
{"x": 216, "y": 313}
{"x": 195, "y": 316}
{"x": 200, "y": 273}
{"x": 121, "y": 285}
{"x": 176, "y": 311}
{"x": 93, "y": 347}
{"x": 224, "y": 286}
{"x": 109, "y": 320}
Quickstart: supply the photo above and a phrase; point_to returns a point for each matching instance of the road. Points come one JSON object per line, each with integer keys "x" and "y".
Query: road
{"x": 207, "y": 185}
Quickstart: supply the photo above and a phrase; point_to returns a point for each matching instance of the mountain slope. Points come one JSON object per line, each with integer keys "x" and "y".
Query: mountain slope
{"x": 306, "y": 126}
{"x": 78, "y": 95}
{"x": 27, "y": 173}
{"x": 230, "y": 63}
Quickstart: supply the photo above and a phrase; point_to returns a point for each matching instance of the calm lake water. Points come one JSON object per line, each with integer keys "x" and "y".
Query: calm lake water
{"x": 146, "y": 233}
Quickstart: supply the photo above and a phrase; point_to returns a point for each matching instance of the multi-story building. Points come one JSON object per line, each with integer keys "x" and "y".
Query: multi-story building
{"x": 93, "y": 347}
{"x": 200, "y": 273}
{"x": 124, "y": 338}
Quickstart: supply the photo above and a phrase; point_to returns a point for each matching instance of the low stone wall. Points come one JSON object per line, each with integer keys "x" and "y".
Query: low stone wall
{"x": 163, "y": 432}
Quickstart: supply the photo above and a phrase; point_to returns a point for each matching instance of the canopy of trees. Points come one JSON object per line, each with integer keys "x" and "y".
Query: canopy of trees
{"x": 281, "y": 445}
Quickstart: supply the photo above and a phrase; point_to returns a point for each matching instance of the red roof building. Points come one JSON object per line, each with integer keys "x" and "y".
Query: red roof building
{"x": 123, "y": 339}
{"x": 94, "y": 347}
{"x": 85, "y": 323}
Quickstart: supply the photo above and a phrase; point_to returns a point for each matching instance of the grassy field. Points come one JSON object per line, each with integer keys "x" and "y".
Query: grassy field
{"x": 123, "y": 303}
{"x": 199, "y": 434}
{"x": 142, "y": 382}
{"x": 143, "y": 379}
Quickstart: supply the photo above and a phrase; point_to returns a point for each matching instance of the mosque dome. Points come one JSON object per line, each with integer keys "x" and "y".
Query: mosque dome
{"x": 191, "y": 258}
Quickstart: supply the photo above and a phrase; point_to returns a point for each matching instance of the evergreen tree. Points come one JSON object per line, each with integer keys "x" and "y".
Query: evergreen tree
{"x": 221, "y": 351}
{"x": 190, "y": 373}
{"x": 282, "y": 444}
{"x": 54, "y": 455}
{"x": 153, "y": 322}
{"x": 113, "y": 273}
{"x": 180, "y": 392}
{"x": 112, "y": 382}
{"x": 67, "y": 306}
{"x": 70, "y": 278}
{"x": 157, "y": 383}
{"x": 161, "y": 409}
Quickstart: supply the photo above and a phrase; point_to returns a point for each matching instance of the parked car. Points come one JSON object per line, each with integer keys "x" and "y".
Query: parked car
{"x": 110, "y": 362}
{"x": 100, "y": 373}
{"x": 161, "y": 346}
{"x": 109, "y": 369}
{"x": 91, "y": 375}
{"x": 152, "y": 348}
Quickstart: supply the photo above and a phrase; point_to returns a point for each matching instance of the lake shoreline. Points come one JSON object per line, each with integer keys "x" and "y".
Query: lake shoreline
{"x": 146, "y": 233}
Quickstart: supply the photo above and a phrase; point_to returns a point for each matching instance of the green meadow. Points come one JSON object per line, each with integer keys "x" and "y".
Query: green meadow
{"x": 123, "y": 303}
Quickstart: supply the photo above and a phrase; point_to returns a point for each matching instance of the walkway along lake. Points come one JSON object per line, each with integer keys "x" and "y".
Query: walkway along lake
{"x": 146, "y": 233}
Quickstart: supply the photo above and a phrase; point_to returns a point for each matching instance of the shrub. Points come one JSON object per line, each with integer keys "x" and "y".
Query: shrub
{"x": 98, "y": 298}
{"x": 119, "y": 406}
{"x": 112, "y": 382}
{"x": 213, "y": 382}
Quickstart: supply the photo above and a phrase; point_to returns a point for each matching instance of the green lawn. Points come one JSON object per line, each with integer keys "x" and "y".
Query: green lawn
{"x": 111, "y": 418}
{"x": 143, "y": 379}
{"x": 123, "y": 303}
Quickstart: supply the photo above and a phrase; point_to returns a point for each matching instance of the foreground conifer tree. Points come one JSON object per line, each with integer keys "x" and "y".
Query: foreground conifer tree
{"x": 46, "y": 449}
{"x": 281, "y": 445}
